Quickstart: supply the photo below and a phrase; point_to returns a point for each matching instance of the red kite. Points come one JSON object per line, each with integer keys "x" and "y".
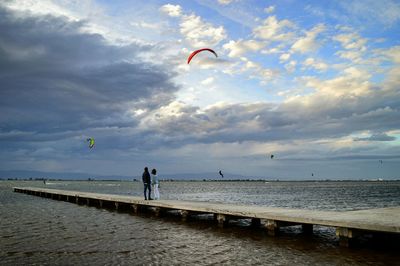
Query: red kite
{"x": 198, "y": 51}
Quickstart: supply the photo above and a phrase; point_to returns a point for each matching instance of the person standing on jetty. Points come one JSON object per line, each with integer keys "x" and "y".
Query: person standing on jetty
{"x": 154, "y": 182}
{"x": 147, "y": 183}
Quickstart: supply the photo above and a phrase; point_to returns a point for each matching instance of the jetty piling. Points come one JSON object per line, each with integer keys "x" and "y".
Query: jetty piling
{"x": 349, "y": 224}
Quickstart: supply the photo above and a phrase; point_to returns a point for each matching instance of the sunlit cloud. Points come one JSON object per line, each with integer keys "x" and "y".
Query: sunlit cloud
{"x": 312, "y": 63}
{"x": 269, "y": 9}
{"x": 172, "y": 10}
{"x": 273, "y": 29}
{"x": 241, "y": 47}
{"x": 308, "y": 42}
{"x": 197, "y": 32}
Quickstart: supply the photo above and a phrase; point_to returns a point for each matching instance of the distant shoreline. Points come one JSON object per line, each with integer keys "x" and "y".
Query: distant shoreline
{"x": 202, "y": 180}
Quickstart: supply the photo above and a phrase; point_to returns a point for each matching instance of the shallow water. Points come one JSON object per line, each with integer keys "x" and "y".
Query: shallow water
{"x": 41, "y": 231}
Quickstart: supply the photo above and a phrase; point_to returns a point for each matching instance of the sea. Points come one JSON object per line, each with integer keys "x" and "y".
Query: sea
{"x": 42, "y": 231}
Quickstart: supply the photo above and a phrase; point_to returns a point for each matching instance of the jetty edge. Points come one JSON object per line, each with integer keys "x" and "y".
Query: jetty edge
{"x": 349, "y": 224}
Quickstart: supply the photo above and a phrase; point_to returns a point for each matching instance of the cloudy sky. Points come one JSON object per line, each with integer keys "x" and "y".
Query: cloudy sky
{"x": 316, "y": 84}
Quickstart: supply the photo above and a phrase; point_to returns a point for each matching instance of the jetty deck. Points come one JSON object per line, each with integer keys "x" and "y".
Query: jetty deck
{"x": 349, "y": 224}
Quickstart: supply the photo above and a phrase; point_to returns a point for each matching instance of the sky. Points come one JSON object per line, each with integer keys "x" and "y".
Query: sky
{"x": 315, "y": 83}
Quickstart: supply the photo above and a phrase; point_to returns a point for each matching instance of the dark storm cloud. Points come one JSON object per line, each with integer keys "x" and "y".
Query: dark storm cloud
{"x": 57, "y": 81}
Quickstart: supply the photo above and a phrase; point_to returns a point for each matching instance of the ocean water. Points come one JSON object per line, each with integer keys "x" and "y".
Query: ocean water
{"x": 42, "y": 231}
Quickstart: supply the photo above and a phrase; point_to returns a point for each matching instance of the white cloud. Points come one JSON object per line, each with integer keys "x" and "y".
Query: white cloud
{"x": 146, "y": 25}
{"x": 240, "y": 47}
{"x": 274, "y": 50}
{"x": 351, "y": 41}
{"x": 352, "y": 81}
{"x": 252, "y": 70}
{"x": 312, "y": 63}
{"x": 199, "y": 33}
{"x": 208, "y": 81}
{"x": 269, "y": 9}
{"x": 251, "y": 64}
{"x": 353, "y": 56}
{"x": 274, "y": 30}
{"x": 225, "y": 2}
{"x": 291, "y": 66}
{"x": 257, "y": 71}
{"x": 308, "y": 43}
{"x": 353, "y": 44}
{"x": 158, "y": 118}
{"x": 172, "y": 10}
{"x": 45, "y": 8}
{"x": 284, "y": 57}
{"x": 195, "y": 30}
{"x": 392, "y": 54}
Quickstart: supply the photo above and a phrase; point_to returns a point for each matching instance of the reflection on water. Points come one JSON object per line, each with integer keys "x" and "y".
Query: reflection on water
{"x": 35, "y": 230}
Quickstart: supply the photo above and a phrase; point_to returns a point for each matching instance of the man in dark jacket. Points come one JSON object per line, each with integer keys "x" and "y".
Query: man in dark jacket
{"x": 146, "y": 182}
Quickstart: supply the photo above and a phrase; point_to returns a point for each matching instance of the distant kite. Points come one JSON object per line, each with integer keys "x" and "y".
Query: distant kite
{"x": 220, "y": 173}
{"x": 198, "y": 51}
{"x": 91, "y": 142}
{"x": 272, "y": 156}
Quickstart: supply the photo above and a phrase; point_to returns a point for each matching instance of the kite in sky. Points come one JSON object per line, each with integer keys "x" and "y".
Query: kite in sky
{"x": 91, "y": 142}
{"x": 198, "y": 51}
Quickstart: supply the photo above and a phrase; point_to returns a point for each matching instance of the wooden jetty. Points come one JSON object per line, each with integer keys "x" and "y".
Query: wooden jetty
{"x": 349, "y": 224}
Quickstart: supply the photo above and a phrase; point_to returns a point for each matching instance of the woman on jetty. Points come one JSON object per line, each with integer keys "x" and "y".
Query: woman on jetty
{"x": 154, "y": 182}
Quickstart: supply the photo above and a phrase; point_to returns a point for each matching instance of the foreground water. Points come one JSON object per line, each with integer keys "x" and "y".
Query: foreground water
{"x": 40, "y": 231}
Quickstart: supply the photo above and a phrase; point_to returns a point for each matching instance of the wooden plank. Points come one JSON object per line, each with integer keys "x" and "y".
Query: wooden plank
{"x": 377, "y": 220}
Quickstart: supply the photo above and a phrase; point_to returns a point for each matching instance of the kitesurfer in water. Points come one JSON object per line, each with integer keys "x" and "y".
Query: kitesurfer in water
{"x": 155, "y": 184}
{"x": 147, "y": 183}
